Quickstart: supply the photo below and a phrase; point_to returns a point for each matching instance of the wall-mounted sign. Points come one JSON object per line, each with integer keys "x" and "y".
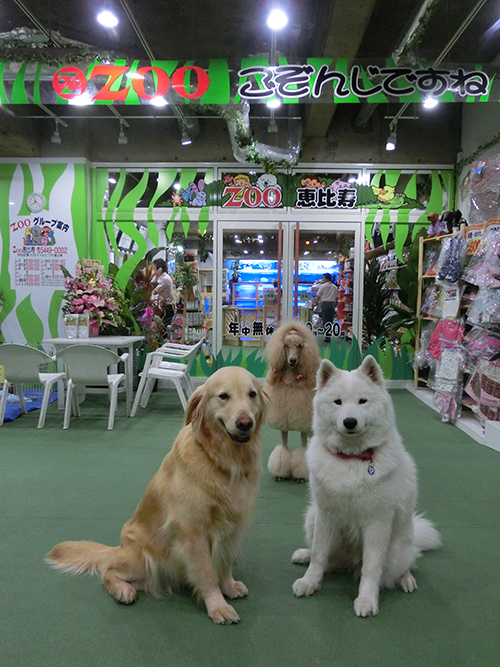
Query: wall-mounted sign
{"x": 244, "y": 190}
{"x": 219, "y": 81}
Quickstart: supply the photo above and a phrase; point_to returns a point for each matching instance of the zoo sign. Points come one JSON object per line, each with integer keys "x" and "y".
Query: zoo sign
{"x": 227, "y": 82}
{"x": 239, "y": 191}
{"x": 71, "y": 82}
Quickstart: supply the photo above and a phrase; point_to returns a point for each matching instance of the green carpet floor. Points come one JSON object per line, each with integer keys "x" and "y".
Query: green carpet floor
{"x": 85, "y": 482}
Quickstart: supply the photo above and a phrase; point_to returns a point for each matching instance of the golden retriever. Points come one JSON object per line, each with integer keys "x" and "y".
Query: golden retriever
{"x": 187, "y": 527}
{"x": 293, "y": 358}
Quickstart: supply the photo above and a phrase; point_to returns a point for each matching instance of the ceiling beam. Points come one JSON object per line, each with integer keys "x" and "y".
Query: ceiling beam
{"x": 341, "y": 38}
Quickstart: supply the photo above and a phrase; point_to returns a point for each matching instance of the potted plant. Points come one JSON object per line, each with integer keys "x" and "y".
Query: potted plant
{"x": 186, "y": 277}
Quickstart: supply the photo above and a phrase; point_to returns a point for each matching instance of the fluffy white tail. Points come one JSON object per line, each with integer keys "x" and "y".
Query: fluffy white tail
{"x": 426, "y": 536}
{"x": 78, "y": 557}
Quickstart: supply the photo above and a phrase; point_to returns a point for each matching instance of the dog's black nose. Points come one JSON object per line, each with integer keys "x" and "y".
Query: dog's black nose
{"x": 244, "y": 424}
{"x": 350, "y": 423}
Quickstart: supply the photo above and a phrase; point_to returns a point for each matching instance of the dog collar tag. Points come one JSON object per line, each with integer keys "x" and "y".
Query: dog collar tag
{"x": 371, "y": 469}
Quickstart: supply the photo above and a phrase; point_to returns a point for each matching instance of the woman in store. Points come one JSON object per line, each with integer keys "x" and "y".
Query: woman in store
{"x": 327, "y": 298}
{"x": 164, "y": 290}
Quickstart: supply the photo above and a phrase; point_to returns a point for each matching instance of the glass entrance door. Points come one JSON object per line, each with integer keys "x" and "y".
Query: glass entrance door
{"x": 270, "y": 272}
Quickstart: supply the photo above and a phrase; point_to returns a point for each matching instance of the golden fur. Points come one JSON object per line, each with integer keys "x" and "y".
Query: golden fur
{"x": 187, "y": 527}
{"x": 293, "y": 358}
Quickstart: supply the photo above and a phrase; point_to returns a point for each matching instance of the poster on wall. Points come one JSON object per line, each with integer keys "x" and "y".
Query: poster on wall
{"x": 37, "y": 239}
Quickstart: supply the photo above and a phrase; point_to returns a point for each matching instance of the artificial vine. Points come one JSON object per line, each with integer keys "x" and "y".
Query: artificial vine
{"x": 473, "y": 156}
{"x": 243, "y": 138}
{"x": 25, "y": 45}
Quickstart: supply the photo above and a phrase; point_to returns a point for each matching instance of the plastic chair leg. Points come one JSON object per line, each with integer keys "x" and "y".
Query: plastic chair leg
{"x": 138, "y": 393}
{"x": 147, "y": 391}
{"x": 180, "y": 391}
{"x": 113, "y": 401}
{"x": 3, "y": 402}
{"x": 67, "y": 407}
{"x": 22, "y": 402}
{"x": 45, "y": 402}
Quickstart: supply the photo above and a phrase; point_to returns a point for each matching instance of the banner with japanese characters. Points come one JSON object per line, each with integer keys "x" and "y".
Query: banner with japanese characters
{"x": 256, "y": 80}
{"x": 44, "y": 227}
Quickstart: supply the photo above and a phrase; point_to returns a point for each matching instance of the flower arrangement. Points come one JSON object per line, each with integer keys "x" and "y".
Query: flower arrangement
{"x": 89, "y": 292}
{"x": 150, "y": 309}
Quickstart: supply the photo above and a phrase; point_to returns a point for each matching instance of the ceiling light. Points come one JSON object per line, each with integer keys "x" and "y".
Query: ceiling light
{"x": 430, "y": 102}
{"x": 391, "y": 141}
{"x": 159, "y": 102}
{"x": 122, "y": 137}
{"x": 107, "y": 19}
{"x": 177, "y": 186}
{"x": 112, "y": 180}
{"x": 56, "y": 137}
{"x": 277, "y": 19}
{"x": 81, "y": 100}
{"x": 186, "y": 139}
{"x": 274, "y": 103}
{"x": 245, "y": 252}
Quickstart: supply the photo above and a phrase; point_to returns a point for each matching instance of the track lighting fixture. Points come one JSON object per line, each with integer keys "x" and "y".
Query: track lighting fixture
{"x": 186, "y": 139}
{"x": 277, "y": 19}
{"x": 391, "y": 141}
{"x": 430, "y": 102}
{"x": 122, "y": 137}
{"x": 56, "y": 137}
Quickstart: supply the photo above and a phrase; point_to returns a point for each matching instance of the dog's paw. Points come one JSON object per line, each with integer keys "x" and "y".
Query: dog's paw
{"x": 365, "y": 606}
{"x": 235, "y": 589}
{"x": 224, "y": 614}
{"x": 303, "y": 587}
{"x": 408, "y": 583}
{"x": 302, "y": 556}
{"x": 123, "y": 592}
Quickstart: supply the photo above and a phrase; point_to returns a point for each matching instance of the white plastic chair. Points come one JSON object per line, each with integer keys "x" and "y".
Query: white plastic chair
{"x": 88, "y": 365}
{"x": 20, "y": 364}
{"x": 170, "y": 362}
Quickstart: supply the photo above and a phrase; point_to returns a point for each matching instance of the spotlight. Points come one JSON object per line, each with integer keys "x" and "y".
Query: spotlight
{"x": 272, "y": 128}
{"x": 159, "y": 102}
{"x": 430, "y": 102}
{"x": 56, "y": 137}
{"x": 107, "y": 19}
{"x": 391, "y": 141}
{"x": 186, "y": 140}
{"x": 277, "y": 19}
{"x": 274, "y": 103}
{"x": 122, "y": 137}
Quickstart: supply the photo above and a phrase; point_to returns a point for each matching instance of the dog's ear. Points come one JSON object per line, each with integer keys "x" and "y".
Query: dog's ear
{"x": 325, "y": 372}
{"x": 266, "y": 401}
{"x": 371, "y": 368}
{"x": 195, "y": 406}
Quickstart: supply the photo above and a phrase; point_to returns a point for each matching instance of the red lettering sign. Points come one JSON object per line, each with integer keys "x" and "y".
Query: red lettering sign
{"x": 178, "y": 81}
{"x": 69, "y": 79}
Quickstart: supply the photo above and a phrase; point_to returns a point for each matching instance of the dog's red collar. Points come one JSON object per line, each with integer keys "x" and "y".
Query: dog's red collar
{"x": 367, "y": 455}
{"x": 297, "y": 379}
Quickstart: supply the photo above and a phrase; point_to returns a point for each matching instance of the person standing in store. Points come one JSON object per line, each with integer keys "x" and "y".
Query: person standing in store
{"x": 327, "y": 298}
{"x": 164, "y": 290}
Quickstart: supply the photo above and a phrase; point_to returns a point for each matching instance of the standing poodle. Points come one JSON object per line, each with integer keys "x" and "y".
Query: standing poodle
{"x": 293, "y": 358}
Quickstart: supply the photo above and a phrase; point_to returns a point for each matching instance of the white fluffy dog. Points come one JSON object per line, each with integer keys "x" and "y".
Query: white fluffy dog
{"x": 363, "y": 488}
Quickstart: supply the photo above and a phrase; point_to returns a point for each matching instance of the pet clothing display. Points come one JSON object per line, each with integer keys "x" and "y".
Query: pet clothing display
{"x": 451, "y": 260}
{"x": 445, "y": 346}
{"x": 484, "y": 388}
